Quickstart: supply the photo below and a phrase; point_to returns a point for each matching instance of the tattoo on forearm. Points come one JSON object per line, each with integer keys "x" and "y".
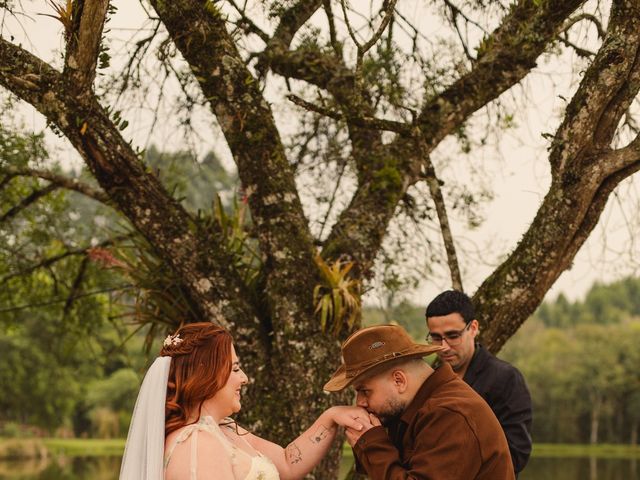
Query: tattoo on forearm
{"x": 293, "y": 454}
{"x": 320, "y": 434}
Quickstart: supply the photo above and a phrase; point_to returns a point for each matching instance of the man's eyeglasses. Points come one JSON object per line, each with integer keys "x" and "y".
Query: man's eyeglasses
{"x": 453, "y": 337}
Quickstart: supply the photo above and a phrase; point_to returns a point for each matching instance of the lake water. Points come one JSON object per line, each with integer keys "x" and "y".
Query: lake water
{"x": 107, "y": 468}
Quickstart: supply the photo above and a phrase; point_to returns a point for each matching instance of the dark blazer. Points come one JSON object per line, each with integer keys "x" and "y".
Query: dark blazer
{"x": 447, "y": 432}
{"x": 504, "y": 389}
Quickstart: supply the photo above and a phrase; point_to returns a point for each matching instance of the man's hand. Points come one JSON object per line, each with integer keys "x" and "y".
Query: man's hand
{"x": 368, "y": 422}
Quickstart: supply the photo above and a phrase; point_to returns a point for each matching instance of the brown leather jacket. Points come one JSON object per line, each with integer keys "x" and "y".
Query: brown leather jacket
{"x": 447, "y": 432}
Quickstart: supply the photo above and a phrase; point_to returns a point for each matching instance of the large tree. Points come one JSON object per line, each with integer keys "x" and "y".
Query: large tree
{"x": 375, "y": 105}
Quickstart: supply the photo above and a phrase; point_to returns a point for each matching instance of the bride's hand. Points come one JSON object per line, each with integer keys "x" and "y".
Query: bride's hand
{"x": 354, "y": 418}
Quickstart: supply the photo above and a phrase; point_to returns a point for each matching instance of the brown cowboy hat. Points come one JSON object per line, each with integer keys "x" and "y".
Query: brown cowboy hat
{"x": 370, "y": 347}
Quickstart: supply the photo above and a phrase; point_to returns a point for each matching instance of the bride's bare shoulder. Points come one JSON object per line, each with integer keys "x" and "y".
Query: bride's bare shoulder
{"x": 211, "y": 456}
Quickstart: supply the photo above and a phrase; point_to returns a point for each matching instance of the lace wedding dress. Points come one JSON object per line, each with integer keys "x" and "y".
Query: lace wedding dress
{"x": 245, "y": 466}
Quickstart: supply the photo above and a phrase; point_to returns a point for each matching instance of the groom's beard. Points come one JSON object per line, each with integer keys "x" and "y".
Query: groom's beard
{"x": 390, "y": 412}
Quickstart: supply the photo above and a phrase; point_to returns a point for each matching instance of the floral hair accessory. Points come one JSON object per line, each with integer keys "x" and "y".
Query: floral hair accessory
{"x": 172, "y": 340}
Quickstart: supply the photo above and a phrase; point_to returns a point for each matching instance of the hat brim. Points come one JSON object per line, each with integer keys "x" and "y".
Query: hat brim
{"x": 339, "y": 380}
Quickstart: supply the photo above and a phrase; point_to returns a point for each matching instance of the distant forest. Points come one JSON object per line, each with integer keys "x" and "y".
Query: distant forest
{"x": 580, "y": 359}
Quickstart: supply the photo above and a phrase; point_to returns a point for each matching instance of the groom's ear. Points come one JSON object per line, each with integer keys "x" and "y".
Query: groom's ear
{"x": 400, "y": 380}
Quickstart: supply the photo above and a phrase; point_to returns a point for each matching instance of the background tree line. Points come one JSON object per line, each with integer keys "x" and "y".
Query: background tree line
{"x": 73, "y": 338}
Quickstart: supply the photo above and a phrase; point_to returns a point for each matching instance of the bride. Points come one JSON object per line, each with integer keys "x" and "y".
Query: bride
{"x": 181, "y": 427}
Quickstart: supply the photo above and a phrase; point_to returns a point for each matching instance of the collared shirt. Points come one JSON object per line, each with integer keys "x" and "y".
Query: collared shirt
{"x": 504, "y": 389}
{"x": 447, "y": 432}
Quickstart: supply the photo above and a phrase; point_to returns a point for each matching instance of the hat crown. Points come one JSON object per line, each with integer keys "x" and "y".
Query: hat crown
{"x": 373, "y": 344}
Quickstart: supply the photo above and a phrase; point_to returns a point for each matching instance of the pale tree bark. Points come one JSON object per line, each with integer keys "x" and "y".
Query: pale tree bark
{"x": 278, "y": 336}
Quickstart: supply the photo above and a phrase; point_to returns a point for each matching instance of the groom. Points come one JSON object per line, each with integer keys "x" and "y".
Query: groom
{"x": 423, "y": 423}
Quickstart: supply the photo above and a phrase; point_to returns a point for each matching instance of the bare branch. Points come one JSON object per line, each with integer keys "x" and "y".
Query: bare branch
{"x": 363, "y": 122}
{"x": 362, "y": 48}
{"x": 248, "y": 25}
{"x": 334, "y": 194}
{"x": 454, "y": 23}
{"x": 456, "y": 11}
{"x": 60, "y": 180}
{"x": 441, "y": 209}
{"x": 585, "y": 16}
{"x": 141, "y": 47}
{"x": 50, "y": 261}
{"x": 387, "y": 13}
{"x": 581, "y": 52}
{"x": 337, "y": 47}
{"x": 76, "y": 287}
{"x": 32, "y": 198}
{"x": 348, "y": 24}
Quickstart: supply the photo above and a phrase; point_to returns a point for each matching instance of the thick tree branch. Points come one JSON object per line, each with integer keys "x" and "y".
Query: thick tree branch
{"x": 360, "y": 228}
{"x": 125, "y": 179}
{"x": 83, "y": 46}
{"x": 609, "y": 86}
{"x": 504, "y": 59}
{"x": 583, "y": 177}
{"x": 290, "y": 22}
{"x": 288, "y": 272}
{"x": 249, "y": 127}
{"x": 508, "y": 54}
{"x": 362, "y": 122}
{"x": 312, "y": 66}
{"x": 622, "y": 158}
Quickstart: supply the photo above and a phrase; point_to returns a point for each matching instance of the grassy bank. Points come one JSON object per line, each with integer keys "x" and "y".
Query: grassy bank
{"x": 76, "y": 447}
{"x": 549, "y": 450}
{"x": 85, "y": 447}
{"x": 23, "y": 448}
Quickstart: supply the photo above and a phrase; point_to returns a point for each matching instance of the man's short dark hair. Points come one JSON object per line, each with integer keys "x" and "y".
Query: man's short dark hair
{"x": 452, "y": 301}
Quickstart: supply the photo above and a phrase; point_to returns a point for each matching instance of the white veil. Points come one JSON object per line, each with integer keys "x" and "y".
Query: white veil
{"x": 144, "y": 452}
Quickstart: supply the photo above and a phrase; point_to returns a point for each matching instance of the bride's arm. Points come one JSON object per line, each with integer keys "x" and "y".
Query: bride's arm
{"x": 306, "y": 451}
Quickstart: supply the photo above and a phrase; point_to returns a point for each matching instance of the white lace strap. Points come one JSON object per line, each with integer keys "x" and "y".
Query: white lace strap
{"x": 211, "y": 426}
{"x": 194, "y": 454}
{"x": 181, "y": 438}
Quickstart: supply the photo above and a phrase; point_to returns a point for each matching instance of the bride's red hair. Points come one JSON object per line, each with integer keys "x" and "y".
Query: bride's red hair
{"x": 200, "y": 366}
